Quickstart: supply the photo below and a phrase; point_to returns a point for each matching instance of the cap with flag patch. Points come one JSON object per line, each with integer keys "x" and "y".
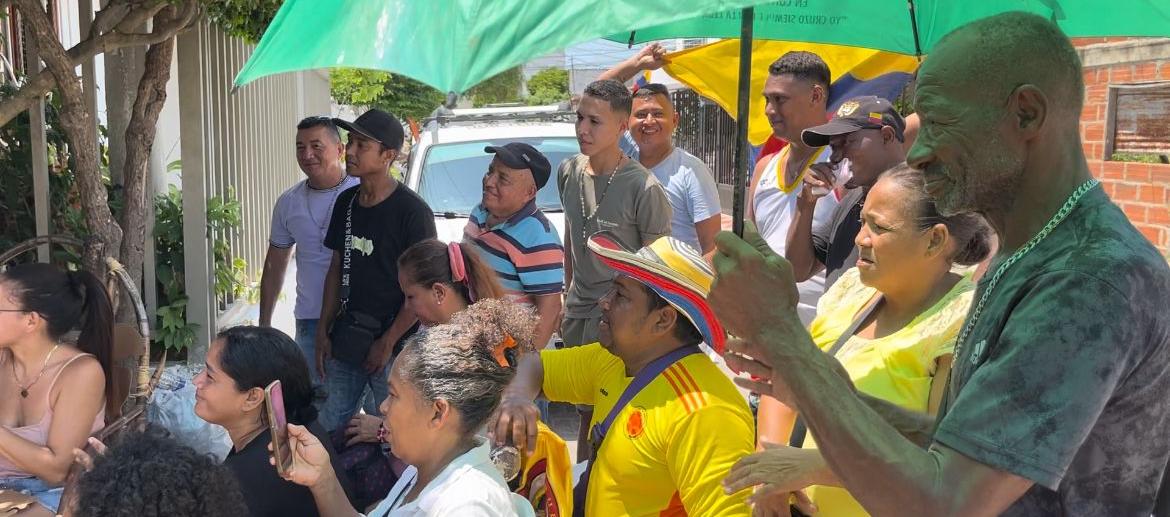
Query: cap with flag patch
{"x": 868, "y": 112}
{"x": 672, "y": 269}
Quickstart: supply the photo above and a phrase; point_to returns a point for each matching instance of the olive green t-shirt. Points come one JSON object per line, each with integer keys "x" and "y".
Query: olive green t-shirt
{"x": 633, "y": 206}
{"x": 1065, "y": 378}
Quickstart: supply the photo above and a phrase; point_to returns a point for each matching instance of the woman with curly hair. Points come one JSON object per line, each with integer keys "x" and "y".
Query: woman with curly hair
{"x": 52, "y": 391}
{"x": 443, "y": 387}
{"x": 241, "y": 362}
{"x": 150, "y": 475}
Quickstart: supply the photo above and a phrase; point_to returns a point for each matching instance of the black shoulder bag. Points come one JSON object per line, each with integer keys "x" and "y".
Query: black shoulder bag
{"x": 353, "y": 332}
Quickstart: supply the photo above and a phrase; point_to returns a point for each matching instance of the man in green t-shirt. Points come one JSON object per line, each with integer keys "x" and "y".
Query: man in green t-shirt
{"x": 1058, "y": 397}
{"x": 602, "y": 189}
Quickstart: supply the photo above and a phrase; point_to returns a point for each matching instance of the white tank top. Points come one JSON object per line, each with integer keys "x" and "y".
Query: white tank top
{"x": 774, "y": 206}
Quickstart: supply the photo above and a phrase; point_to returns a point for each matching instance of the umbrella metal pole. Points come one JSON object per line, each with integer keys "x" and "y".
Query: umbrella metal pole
{"x": 742, "y": 167}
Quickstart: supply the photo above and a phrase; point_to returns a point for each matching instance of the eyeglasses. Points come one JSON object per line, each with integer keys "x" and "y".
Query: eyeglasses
{"x": 14, "y": 310}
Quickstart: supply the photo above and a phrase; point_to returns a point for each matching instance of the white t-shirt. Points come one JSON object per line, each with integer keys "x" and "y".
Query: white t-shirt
{"x": 692, "y": 193}
{"x": 301, "y": 217}
{"x": 468, "y": 486}
{"x": 774, "y": 206}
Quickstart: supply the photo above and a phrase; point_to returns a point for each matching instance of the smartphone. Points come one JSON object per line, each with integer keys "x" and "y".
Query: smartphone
{"x": 278, "y": 426}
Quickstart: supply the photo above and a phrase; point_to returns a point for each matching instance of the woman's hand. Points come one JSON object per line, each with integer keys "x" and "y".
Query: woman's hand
{"x": 363, "y": 428}
{"x": 84, "y": 459}
{"x": 777, "y": 469}
{"x": 310, "y": 465}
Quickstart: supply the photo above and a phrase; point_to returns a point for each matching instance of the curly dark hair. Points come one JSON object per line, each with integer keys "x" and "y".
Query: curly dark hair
{"x": 149, "y": 474}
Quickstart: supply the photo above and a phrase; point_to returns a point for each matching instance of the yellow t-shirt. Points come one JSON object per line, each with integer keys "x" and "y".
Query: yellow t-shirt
{"x": 668, "y": 450}
{"x": 897, "y": 368}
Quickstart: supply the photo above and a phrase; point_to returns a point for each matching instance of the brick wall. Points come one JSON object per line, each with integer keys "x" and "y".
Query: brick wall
{"x": 1142, "y": 190}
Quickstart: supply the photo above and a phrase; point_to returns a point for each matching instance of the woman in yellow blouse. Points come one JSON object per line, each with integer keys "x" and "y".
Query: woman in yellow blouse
{"x": 900, "y": 351}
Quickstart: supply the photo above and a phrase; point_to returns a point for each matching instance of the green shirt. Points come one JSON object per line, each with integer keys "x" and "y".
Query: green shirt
{"x": 1064, "y": 379}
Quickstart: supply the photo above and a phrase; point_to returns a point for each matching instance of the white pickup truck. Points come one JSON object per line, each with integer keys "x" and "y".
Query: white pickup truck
{"x": 447, "y": 163}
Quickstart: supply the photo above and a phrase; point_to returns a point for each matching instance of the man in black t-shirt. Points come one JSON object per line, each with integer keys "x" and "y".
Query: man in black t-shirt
{"x": 363, "y": 318}
{"x": 868, "y": 132}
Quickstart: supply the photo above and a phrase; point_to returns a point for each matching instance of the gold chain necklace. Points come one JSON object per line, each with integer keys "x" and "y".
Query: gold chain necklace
{"x": 23, "y": 388}
{"x": 1068, "y": 206}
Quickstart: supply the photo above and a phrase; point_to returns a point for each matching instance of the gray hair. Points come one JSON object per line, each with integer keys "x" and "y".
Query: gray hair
{"x": 455, "y": 361}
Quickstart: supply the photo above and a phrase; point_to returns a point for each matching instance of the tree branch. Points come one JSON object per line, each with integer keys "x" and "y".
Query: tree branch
{"x": 77, "y": 121}
{"x": 39, "y": 84}
{"x": 139, "y": 138}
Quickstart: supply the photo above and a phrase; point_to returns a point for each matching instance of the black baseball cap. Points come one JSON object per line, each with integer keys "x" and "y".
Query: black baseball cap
{"x": 376, "y": 125}
{"x": 519, "y": 155}
{"x": 868, "y": 112}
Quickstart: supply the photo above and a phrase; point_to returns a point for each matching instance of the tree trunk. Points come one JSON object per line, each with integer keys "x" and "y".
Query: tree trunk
{"x": 140, "y": 132}
{"x": 77, "y": 121}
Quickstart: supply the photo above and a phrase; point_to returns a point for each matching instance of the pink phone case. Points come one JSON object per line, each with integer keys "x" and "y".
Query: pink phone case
{"x": 278, "y": 426}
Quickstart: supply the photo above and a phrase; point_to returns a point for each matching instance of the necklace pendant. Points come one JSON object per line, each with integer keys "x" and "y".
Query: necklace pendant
{"x": 23, "y": 393}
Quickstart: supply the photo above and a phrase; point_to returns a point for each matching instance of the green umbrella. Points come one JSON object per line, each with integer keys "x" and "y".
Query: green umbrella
{"x": 912, "y": 27}
{"x": 449, "y": 44}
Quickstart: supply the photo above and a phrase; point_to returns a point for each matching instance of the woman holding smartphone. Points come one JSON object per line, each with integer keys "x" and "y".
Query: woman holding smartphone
{"x": 241, "y": 363}
{"x": 444, "y": 385}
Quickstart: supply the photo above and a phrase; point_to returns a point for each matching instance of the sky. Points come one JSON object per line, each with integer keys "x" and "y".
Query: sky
{"x": 598, "y": 53}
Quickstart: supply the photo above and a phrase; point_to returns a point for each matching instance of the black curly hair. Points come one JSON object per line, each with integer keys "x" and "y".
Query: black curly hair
{"x": 149, "y": 474}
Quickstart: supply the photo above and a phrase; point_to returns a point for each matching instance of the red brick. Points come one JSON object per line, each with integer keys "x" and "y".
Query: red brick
{"x": 1160, "y": 173}
{"x": 1121, "y": 74}
{"x": 1135, "y": 213}
{"x": 1094, "y": 132}
{"x": 1113, "y": 171}
{"x": 1154, "y": 194}
{"x": 1137, "y": 172}
{"x": 1158, "y": 215}
{"x": 1153, "y": 233}
{"x": 1096, "y": 94}
{"x": 1125, "y": 191}
{"x": 1145, "y": 72}
{"x": 1096, "y": 167}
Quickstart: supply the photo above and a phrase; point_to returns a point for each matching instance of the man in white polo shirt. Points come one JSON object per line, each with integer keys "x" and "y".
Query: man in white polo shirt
{"x": 301, "y": 218}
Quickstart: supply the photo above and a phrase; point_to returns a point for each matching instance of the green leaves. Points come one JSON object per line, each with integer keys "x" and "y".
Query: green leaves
{"x": 548, "y": 86}
{"x": 500, "y": 88}
{"x": 396, "y": 94}
{"x": 244, "y": 19}
{"x": 223, "y": 217}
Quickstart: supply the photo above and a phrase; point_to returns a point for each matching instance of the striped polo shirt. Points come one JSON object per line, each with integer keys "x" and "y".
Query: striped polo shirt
{"x": 525, "y": 250}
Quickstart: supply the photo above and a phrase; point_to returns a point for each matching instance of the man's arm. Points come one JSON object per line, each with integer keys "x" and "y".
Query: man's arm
{"x": 568, "y": 261}
{"x": 707, "y": 229}
{"x": 886, "y": 472}
{"x": 651, "y": 57}
{"x": 330, "y": 303}
{"x": 515, "y": 420}
{"x": 799, "y": 248}
{"x": 272, "y": 280}
{"x": 749, "y": 209}
{"x": 548, "y": 308}
{"x": 383, "y": 348}
{"x": 883, "y": 470}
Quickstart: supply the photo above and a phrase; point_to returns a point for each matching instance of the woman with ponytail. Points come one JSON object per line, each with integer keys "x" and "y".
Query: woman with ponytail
{"x": 52, "y": 392}
{"x": 440, "y": 279}
{"x": 241, "y": 362}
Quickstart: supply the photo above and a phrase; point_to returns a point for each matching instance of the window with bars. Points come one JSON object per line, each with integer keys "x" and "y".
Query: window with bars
{"x": 1138, "y": 122}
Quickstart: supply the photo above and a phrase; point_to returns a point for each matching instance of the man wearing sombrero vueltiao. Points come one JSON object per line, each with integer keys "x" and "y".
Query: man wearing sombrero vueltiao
{"x": 677, "y": 425}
